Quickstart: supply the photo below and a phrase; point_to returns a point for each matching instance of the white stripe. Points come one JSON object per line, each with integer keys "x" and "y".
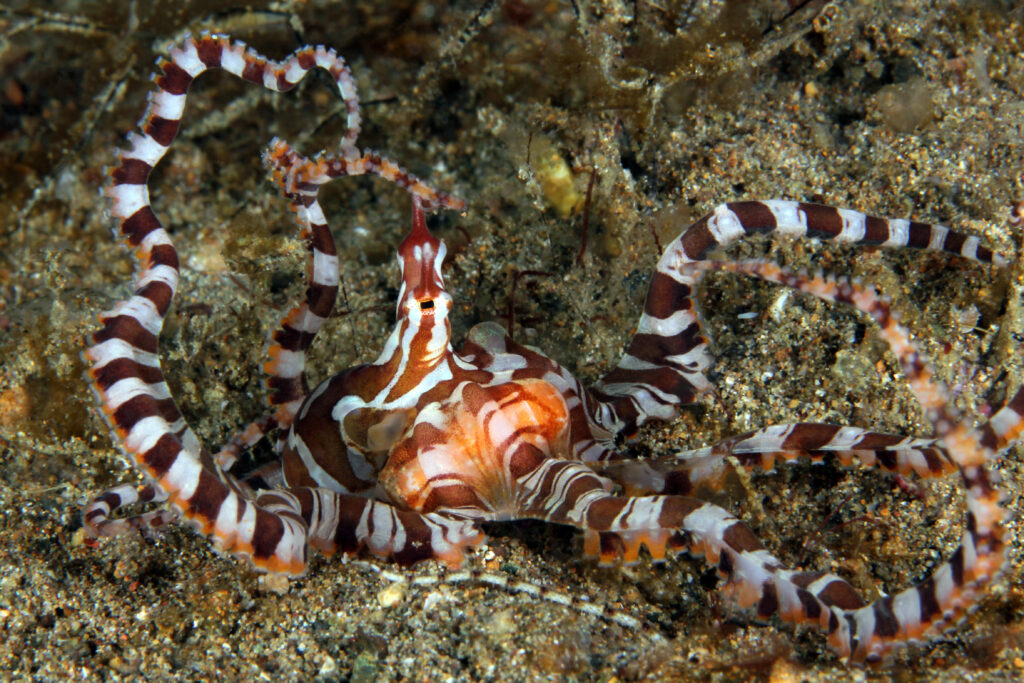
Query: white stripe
{"x": 363, "y": 525}
{"x": 560, "y": 487}
{"x": 288, "y": 364}
{"x": 160, "y": 273}
{"x": 347, "y": 88}
{"x": 906, "y": 607}
{"x": 767, "y": 439}
{"x": 970, "y": 247}
{"x": 183, "y": 477}
{"x": 128, "y": 388}
{"x": 1004, "y": 421}
{"x": 944, "y": 585}
{"x": 725, "y": 225}
{"x": 361, "y": 467}
{"x": 506, "y": 363}
{"x": 789, "y": 601}
{"x": 315, "y": 214}
{"x": 629, "y": 362}
{"x": 327, "y": 515}
{"x": 789, "y": 219}
{"x": 438, "y": 540}
{"x": 308, "y": 322}
{"x": 533, "y": 481}
{"x": 937, "y": 237}
{"x": 325, "y": 57}
{"x": 112, "y": 349}
{"x": 710, "y": 521}
{"x": 227, "y": 519}
{"x": 819, "y": 585}
{"x": 292, "y": 546}
{"x": 325, "y": 269}
{"x": 651, "y": 401}
{"x": 865, "y": 618}
{"x": 246, "y": 527}
{"x": 914, "y": 459}
{"x": 591, "y": 453}
{"x": 295, "y": 72}
{"x": 232, "y": 58}
{"x": 671, "y": 326}
{"x": 854, "y": 226}
{"x": 846, "y": 438}
{"x": 189, "y": 439}
{"x": 583, "y": 503}
{"x": 127, "y": 199}
{"x": 155, "y": 238}
{"x": 970, "y": 552}
{"x": 644, "y": 513}
{"x": 143, "y": 310}
{"x": 316, "y": 473}
{"x": 187, "y": 57}
{"x": 144, "y": 148}
{"x": 167, "y": 106}
{"x": 899, "y": 233}
{"x": 270, "y": 77}
{"x": 383, "y": 528}
{"x": 145, "y": 433}
{"x": 692, "y": 364}
{"x": 464, "y": 364}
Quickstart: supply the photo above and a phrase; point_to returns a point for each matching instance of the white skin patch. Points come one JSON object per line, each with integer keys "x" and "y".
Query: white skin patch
{"x": 854, "y": 226}
{"x": 899, "y": 233}
{"x": 127, "y": 199}
{"x": 666, "y": 327}
{"x": 143, "y": 310}
{"x": 128, "y": 388}
{"x": 789, "y": 219}
{"x": 232, "y": 58}
{"x": 144, "y": 148}
{"x": 325, "y": 269}
{"x": 112, "y": 349}
{"x": 167, "y": 106}
{"x": 725, "y": 225}
{"x": 187, "y": 58}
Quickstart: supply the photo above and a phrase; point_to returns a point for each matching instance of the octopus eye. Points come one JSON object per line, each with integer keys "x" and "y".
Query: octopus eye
{"x": 426, "y": 305}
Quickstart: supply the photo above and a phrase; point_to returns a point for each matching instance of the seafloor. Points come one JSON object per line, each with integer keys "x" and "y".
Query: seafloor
{"x": 629, "y": 118}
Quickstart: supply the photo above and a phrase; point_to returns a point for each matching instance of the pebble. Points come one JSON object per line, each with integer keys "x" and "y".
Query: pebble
{"x": 391, "y": 595}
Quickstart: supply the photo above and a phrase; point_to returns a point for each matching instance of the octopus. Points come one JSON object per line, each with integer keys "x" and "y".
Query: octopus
{"x": 405, "y": 457}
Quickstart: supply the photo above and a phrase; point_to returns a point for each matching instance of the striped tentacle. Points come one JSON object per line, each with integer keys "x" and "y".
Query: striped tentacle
{"x": 289, "y": 343}
{"x": 348, "y": 523}
{"x": 125, "y": 366}
{"x": 299, "y": 175}
{"x": 706, "y": 468}
{"x": 664, "y": 365}
{"x": 96, "y": 514}
{"x": 615, "y": 527}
